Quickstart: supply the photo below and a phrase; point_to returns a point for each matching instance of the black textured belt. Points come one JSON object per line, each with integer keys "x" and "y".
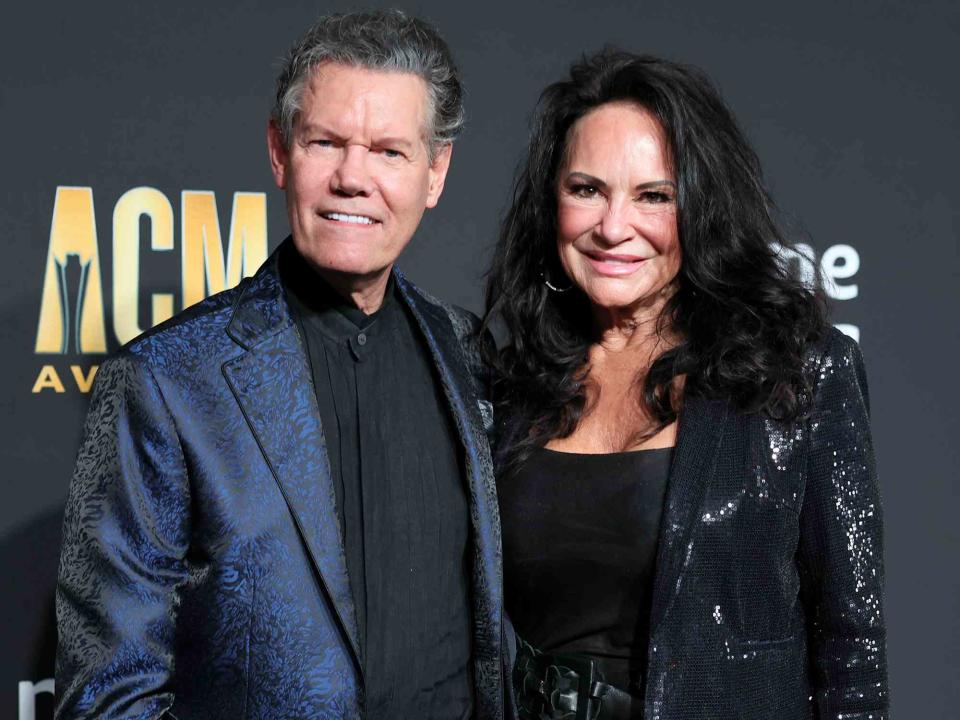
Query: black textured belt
{"x": 566, "y": 687}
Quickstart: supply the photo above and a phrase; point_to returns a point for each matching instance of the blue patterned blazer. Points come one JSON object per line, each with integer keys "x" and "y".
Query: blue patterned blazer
{"x": 203, "y": 573}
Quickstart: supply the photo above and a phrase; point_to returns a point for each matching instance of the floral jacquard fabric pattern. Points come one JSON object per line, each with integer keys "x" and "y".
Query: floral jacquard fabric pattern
{"x": 202, "y": 573}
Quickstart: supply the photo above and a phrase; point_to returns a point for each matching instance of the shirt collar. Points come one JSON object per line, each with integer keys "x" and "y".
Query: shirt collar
{"x": 316, "y": 303}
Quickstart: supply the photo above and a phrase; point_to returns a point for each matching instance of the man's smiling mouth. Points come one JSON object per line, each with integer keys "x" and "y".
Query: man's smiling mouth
{"x": 345, "y": 218}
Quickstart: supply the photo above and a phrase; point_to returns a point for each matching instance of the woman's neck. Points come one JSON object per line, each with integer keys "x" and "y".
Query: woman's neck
{"x": 630, "y": 329}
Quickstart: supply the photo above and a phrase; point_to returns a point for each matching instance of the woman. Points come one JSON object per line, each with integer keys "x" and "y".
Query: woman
{"x": 691, "y": 526}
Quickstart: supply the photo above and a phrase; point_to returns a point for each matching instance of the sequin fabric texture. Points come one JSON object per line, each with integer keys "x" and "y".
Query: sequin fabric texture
{"x": 769, "y": 586}
{"x": 202, "y": 573}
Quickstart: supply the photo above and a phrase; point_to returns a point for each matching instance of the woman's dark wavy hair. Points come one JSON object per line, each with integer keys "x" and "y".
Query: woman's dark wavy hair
{"x": 744, "y": 321}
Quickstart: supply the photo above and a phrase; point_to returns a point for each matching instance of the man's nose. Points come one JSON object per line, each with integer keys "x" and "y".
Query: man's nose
{"x": 351, "y": 177}
{"x": 615, "y": 226}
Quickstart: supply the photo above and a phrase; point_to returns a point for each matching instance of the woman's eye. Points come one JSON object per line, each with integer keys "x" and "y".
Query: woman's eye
{"x": 655, "y": 197}
{"x": 583, "y": 191}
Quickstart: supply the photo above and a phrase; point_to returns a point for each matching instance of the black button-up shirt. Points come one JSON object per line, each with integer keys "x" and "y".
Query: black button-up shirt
{"x": 396, "y": 465}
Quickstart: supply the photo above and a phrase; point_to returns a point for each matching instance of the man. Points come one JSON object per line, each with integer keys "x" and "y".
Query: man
{"x": 283, "y": 506}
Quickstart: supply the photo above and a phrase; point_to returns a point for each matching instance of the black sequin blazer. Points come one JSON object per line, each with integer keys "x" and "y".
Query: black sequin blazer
{"x": 768, "y": 591}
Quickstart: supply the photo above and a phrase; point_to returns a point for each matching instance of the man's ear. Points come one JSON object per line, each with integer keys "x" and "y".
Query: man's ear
{"x": 279, "y": 156}
{"x": 438, "y": 174}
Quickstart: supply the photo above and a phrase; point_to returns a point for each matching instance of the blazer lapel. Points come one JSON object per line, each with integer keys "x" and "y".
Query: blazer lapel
{"x": 698, "y": 442}
{"x": 272, "y": 383}
{"x": 458, "y": 387}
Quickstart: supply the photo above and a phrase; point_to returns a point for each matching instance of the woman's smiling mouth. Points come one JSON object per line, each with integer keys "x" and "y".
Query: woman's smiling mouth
{"x": 613, "y": 264}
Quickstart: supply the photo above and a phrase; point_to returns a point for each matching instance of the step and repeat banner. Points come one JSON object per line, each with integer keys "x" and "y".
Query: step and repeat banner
{"x": 135, "y": 183}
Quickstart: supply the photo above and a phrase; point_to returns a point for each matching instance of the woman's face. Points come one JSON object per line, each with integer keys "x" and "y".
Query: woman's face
{"x": 617, "y": 209}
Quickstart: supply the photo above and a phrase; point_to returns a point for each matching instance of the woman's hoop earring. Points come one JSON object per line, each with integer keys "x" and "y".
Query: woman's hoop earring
{"x": 551, "y": 286}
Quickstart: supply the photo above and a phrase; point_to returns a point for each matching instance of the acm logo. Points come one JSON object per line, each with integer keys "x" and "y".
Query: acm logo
{"x": 72, "y": 320}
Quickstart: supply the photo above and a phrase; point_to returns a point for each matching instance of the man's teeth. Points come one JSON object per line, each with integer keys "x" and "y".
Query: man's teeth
{"x": 341, "y": 217}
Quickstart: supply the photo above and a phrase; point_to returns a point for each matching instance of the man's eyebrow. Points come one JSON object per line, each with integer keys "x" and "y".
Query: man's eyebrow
{"x": 392, "y": 141}
{"x": 308, "y": 129}
{"x": 314, "y": 129}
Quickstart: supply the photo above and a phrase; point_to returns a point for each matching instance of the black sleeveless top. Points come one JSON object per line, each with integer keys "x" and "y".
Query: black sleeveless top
{"x": 579, "y": 548}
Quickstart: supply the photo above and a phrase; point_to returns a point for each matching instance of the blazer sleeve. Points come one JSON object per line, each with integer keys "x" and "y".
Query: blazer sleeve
{"x": 841, "y": 544}
{"x": 125, "y": 537}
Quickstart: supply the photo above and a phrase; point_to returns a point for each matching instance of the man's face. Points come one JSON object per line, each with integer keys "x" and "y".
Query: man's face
{"x": 358, "y": 173}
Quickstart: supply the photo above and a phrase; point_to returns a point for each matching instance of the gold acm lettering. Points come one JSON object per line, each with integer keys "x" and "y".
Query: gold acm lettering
{"x": 84, "y": 382}
{"x": 203, "y": 269}
{"x": 72, "y": 318}
{"x": 130, "y": 208}
{"x": 71, "y": 306}
{"x": 48, "y": 379}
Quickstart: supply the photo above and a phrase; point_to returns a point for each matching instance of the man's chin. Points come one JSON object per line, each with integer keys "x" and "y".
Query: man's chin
{"x": 350, "y": 273}
{"x": 356, "y": 273}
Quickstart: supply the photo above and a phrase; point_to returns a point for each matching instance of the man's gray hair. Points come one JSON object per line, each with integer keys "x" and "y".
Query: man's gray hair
{"x": 387, "y": 40}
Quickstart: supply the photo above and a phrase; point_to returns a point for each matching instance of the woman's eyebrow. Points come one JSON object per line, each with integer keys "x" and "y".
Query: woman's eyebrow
{"x": 585, "y": 178}
{"x": 656, "y": 183}
{"x": 592, "y": 180}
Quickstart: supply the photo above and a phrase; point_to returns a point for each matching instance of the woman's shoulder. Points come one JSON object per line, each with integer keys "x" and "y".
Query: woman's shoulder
{"x": 834, "y": 349}
{"x": 837, "y": 369}
{"x": 835, "y": 345}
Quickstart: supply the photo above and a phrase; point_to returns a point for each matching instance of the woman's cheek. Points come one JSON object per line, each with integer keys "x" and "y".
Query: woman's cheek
{"x": 573, "y": 221}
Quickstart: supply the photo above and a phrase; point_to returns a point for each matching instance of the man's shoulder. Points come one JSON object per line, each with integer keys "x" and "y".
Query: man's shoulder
{"x": 465, "y": 323}
{"x": 193, "y": 335}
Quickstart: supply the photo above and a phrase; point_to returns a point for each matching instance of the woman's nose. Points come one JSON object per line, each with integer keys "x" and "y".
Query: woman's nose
{"x": 615, "y": 226}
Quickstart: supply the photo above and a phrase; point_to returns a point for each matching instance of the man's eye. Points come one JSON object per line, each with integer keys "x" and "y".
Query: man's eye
{"x": 388, "y": 152}
{"x": 322, "y": 143}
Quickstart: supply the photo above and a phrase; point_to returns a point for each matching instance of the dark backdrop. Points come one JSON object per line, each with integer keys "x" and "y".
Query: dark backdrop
{"x": 852, "y": 107}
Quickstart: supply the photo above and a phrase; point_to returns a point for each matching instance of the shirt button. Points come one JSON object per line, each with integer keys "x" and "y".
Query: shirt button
{"x": 362, "y": 339}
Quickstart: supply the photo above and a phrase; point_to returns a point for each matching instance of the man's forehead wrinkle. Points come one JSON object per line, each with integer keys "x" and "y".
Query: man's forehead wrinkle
{"x": 347, "y": 119}
{"x": 423, "y": 97}
{"x": 365, "y": 115}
